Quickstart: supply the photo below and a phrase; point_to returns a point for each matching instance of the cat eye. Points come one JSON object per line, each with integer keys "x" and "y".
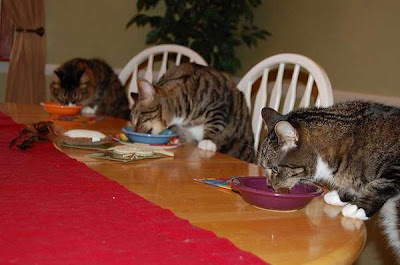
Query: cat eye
{"x": 275, "y": 169}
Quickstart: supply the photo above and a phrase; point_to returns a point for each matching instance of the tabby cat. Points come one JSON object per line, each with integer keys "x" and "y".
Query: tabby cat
{"x": 91, "y": 83}
{"x": 352, "y": 147}
{"x": 201, "y": 104}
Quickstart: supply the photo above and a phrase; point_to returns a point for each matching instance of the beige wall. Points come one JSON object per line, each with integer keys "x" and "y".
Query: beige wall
{"x": 89, "y": 28}
{"x": 92, "y": 28}
{"x": 356, "y": 41}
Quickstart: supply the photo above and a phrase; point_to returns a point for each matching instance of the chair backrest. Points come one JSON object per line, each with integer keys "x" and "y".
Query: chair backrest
{"x": 132, "y": 67}
{"x": 300, "y": 64}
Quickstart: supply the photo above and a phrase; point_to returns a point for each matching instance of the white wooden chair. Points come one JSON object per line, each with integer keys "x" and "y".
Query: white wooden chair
{"x": 300, "y": 64}
{"x": 168, "y": 52}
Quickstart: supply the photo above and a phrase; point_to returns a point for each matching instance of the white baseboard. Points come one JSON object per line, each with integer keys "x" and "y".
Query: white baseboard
{"x": 3, "y": 67}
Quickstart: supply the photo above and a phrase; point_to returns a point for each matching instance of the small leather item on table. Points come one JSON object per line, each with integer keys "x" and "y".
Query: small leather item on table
{"x": 56, "y": 210}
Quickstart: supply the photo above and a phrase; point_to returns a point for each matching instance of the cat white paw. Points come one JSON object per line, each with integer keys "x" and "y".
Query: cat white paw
{"x": 333, "y": 198}
{"x": 89, "y": 110}
{"x": 352, "y": 211}
{"x": 207, "y": 145}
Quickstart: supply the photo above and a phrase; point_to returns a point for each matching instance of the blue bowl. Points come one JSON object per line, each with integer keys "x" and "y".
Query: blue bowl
{"x": 163, "y": 138}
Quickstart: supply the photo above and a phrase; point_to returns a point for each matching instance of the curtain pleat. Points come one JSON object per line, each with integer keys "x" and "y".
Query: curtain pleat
{"x": 26, "y": 78}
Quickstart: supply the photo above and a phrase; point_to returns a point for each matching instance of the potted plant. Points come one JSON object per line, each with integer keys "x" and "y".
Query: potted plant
{"x": 213, "y": 28}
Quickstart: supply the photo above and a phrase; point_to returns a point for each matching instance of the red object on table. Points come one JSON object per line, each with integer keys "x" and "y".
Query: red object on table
{"x": 56, "y": 210}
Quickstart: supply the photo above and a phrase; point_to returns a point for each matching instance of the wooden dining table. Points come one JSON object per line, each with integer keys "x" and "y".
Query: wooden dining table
{"x": 316, "y": 234}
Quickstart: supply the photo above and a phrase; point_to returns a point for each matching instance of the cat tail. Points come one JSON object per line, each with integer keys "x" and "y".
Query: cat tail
{"x": 390, "y": 219}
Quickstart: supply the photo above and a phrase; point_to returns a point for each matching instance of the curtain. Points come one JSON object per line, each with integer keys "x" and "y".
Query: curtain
{"x": 26, "y": 79}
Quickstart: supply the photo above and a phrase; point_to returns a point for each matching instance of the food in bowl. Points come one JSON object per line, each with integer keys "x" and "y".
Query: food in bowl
{"x": 58, "y": 109}
{"x": 162, "y": 138}
{"x": 255, "y": 191}
{"x": 84, "y": 137}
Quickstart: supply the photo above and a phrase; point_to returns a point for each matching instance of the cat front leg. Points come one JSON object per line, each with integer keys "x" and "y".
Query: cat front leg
{"x": 342, "y": 199}
{"x": 353, "y": 211}
{"x": 363, "y": 208}
{"x": 211, "y": 134}
{"x": 374, "y": 196}
{"x": 89, "y": 110}
{"x": 339, "y": 197}
{"x": 333, "y": 198}
{"x": 207, "y": 145}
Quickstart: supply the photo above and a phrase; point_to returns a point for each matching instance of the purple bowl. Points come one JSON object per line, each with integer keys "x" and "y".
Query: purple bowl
{"x": 255, "y": 191}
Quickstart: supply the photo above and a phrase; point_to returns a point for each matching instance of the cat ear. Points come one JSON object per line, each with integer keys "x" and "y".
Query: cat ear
{"x": 80, "y": 73}
{"x": 84, "y": 77}
{"x": 59, "y": 74}
{"x": 160, "y": 92}
{"x": 135, "y": 97}
{"x": 269, "y": 115}
{"x": 287, "y": 134}
{"x": 146, "y": 90}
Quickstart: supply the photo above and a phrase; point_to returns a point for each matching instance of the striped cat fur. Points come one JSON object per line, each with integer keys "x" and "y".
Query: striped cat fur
{"x": 352, "y": 147}
{"x": 201, "y": 104}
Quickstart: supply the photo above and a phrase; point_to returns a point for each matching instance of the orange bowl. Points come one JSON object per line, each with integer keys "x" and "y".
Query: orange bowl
{"x": 58, "y": 109}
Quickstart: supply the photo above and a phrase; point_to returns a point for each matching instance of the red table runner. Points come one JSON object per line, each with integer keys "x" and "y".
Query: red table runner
{"x": 56, "y": 210}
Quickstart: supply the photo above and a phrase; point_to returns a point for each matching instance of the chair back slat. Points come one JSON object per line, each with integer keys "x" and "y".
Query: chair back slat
{"x": 259, "y": 104}
{"x": 302, "y": 64}
{"x": 178, "y": 59}
{"x": 148, "y": 55}
{"x": 133, "y": 85}
{"x": 318, "y": 101}
{"x": 163, "y": 67}
{"x": 276, "y": 92}
{"x": 149, "y": 69}
{"x": 306, "y": 99}
{"x": 290, "y": 98}
{"x": 247, "y": 95}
